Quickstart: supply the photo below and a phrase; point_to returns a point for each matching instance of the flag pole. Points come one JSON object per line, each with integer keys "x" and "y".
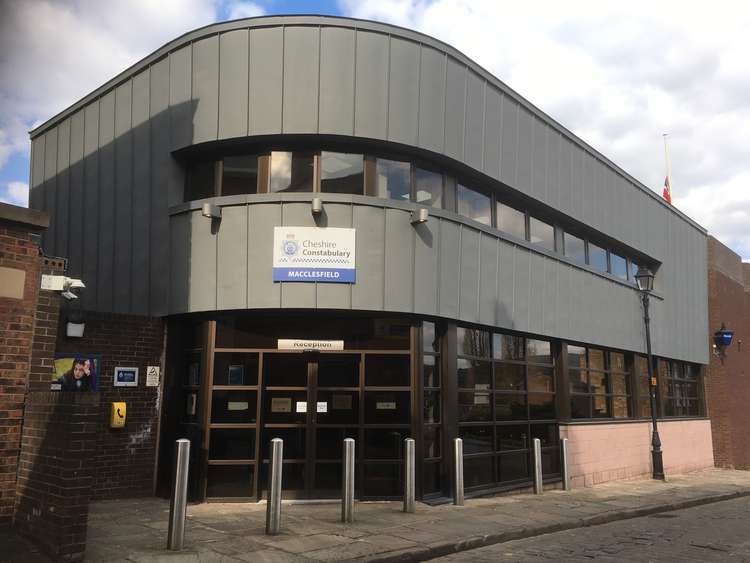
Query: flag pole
{"x": 666, "y": 159}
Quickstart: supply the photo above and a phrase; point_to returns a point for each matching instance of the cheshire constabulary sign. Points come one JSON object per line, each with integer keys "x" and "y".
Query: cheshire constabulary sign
{"x": 313, "y": 254}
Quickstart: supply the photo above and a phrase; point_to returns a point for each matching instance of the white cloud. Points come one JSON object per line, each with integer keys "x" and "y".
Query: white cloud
{"x": 239, "y": 10}
{"x": 15, "y": 193}
{"x": 619, "y": 75}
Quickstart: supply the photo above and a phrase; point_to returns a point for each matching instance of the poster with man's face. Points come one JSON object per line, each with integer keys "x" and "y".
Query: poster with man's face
{"x": 75, "y": 372}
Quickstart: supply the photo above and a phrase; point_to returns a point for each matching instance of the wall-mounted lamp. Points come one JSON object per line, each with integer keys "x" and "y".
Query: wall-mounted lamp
{"x": 722, "y": 341}
{"x": 316, "y": 206}
{"x": 419, "y": 216}
{"x": 211, "y": 211}
{"x": 75, "y": 324}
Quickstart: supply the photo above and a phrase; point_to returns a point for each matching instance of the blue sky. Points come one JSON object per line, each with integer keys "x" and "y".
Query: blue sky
{"x": 616, "y": 74}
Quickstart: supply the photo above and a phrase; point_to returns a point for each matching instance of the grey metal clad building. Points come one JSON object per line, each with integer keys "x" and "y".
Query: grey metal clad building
{"x": 511, "y": 310}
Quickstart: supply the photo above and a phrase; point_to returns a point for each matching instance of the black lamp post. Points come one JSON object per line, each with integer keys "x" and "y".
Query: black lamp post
{"x": 645, "y": 280}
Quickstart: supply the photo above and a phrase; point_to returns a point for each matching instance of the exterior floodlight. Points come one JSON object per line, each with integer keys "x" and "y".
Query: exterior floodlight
{"x": 645, "y": 279}
{"x": 419, "y": 216}
{"x": 211, "y": 211}
{"x": 722, "y": 340}
{"x": 316, "y": 206}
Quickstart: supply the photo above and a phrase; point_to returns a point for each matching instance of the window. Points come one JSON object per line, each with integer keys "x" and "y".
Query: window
{"x": 644, "y": 387}
{"x": 341, "y": 173}
{"x": 542, "y": 233}
{"x": 431, "y": 411}
{"x": 575, "y": 248}
{"x": 633, "y": 270}
{"x": 474, "y": 205}
{"x": 239, "y": 175}
{"x": 680, "y": 385}
{"x": 200, "y": 180}
{"x": 619, "y": 266}
{"x": 291, "y": 172}
{"x": 429, "y": 187}
{"x": 597, "y": 257}
{"x": 393, "y": 179}
{"x": 506, "y": 399}
{"x": 599, "y": 383}
{"x": 511, "y": 221}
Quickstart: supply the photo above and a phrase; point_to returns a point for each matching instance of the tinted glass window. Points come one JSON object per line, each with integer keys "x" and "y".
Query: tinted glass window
{"x": 619, "y": 266}
{"x": 200, "y": 180}
{"x": 508, "y": 347}
{"x": 633, "y": 270}
{"x": 575, "y": 248}
{"x": 291, "y": 172}
{"x": 542, "y": 233}
{"x": 240, "y": 175}
{"x": 429, "y": 187}
{"x": 597, "y": 257}
{"x": 474, "y": 205}
{"x": 576, "y": 356}
{"x": 393, "y": 179}
{"x": 511, "y": 221}
{"x": 341, "y": 173}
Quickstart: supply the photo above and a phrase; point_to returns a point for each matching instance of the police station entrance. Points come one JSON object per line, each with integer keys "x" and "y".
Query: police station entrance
{"x": 312, "y": 380}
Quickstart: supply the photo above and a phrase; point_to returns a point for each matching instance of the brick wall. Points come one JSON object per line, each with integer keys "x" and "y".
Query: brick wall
{"x": 125, "y": 457}
{"x": 18, "y": 251}
{"x": 728, "y": 381}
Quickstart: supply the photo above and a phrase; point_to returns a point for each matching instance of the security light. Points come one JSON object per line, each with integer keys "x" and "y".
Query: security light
{"x": 211, "y": 211}
{"x": 419, "y": 216}
{"x": 316, "y": 206}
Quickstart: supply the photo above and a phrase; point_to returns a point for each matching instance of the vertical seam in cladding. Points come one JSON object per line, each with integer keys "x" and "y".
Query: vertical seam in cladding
{"x": 438, "y": 267}
{"x": 518, "y": 145}
{"x": 67, "y": 211}
{"x": 419, "y": 93}
{"x": 350, "y": 286}
{"x": 317, "y": 113}
{"x": 354, "y": 86}
{"x": 478, "y": 316}
{"x": 495, "y": 318}
{"x": 218, "y": 87}
{"x": 113, "y": 254}
{"x": 513, "y": 277}
{"x": 532, "y": 145}
{"x": 131, "y": 134}
{"x": 460, "y": 269}
{"x": 484, "y": 123}
{"x": 385, "y": 254}
{"x": 500, "y": 137}
{"x": 445, "y": 99}
{"x": 98, "y": 200}
{"x": 249, "y": 120}
{"x": 283, "y": 59}
{"x": 388, "y": 92}
{"x": 466, "y": 96}
{"x": 247, "y": 255}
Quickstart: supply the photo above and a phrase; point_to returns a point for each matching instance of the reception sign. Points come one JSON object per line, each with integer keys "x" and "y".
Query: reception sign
{"x": 313, "y": 254}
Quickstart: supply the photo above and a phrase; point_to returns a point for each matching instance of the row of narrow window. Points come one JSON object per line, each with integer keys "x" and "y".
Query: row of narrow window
{"x": 397, "y": 180}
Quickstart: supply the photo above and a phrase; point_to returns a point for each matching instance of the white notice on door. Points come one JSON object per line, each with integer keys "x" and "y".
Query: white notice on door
{"x": 385, "y": 406}
{"x": 237, "y": 406}
{"x": 322, "y": 406}
{"x": 301, "y": 406}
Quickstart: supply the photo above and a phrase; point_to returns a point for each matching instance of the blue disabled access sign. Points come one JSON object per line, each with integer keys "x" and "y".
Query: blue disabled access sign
{"x": 314, "y": 254}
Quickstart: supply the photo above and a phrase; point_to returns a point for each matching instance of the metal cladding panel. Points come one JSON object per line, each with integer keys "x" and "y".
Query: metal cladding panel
{"x": 549, "y": 296}
{"x": 492, "y": 129}
{"x": 539, "y": 161}
{"x": 475, "y": 122}
{"x": 262, "y": 292}
{"x": 426, "y": 266}
{"x": 205, "y": 91}
{"x": 123, "y": 197}
{"x": 335, "y": 295}
{"x": 49, "y": 188}
{"x": 234, "y": 69}
{"x": 62, "y": 207}
{"x": 455, "y": 109}
{"x": 521, "y": 289}
{"x": 37, "y": 161}
{"x": 141, "y": 195}
{"x": 336, "y": 113}
{"x": 231, "y": 259}
{"x": 161, "y": 161}
{"x": 403, "y": 92}
{"x": 75, "y": 228}
{"x": 301, "y": 74}
{"x": 536, "y": 292}
{"x": 371, "y": 85}
{"x": 266, "y": 80}
{"x": 509, "y": 142}
{"x": 553, "y": 167}
{"x": 506, "y": 267}
{"x": 448, "y": 290}
{"x": 564, "y": 178}
{"x": 202, "y": 271}
{"x": 295, "y": 295}
{"x": 525, "y": 147}
{"x": 106, "y": 202}
{"x": 367, "y": 293}
{"x": 432, "y": 99}
{"x": 179, "y": 76}
{"x": 179, "y": 270}
{"x": 468, "y": 289}
{"x": 399, "y": 261}
{"x": 488, "y": 275}
{"x": 90, "y": 204}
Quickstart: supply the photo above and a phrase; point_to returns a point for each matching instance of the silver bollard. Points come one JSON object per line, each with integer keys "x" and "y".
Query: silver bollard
{"x": 564, "y": 464}
{"x": 273, "y": 505}
{"x": 178, "y": 502}
{"x": 458, "y": 472}
{"x": 538, "y": 483}
{"x": 347, "y": 484}
{"x": 409, "y": 476}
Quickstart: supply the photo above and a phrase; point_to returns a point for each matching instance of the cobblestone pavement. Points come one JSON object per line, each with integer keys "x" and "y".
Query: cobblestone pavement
{"x": 713, "y": 532}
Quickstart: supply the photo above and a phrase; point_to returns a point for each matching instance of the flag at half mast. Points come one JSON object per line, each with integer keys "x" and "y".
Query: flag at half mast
{"x": 667, "y": 193}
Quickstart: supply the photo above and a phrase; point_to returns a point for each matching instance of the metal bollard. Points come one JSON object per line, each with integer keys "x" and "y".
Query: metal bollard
{"x": 538, "y": 482}
{"x": 409, "y": 476}
{"x": 347, "y": 485}
{"x": 178, "y": 502}
{"x": 273, "y": 505}
{"x": 458, "y": 472}
{"x": 564, "y": 464}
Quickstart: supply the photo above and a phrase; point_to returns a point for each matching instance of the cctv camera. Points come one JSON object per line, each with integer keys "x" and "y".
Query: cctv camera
{"x": 69, "y": 295}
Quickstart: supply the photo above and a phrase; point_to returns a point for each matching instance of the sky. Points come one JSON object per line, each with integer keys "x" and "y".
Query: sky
{"x": 617, "y": 74}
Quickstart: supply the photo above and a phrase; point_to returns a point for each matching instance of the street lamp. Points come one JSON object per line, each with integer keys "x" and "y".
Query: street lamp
{"x": 645, "y": 280}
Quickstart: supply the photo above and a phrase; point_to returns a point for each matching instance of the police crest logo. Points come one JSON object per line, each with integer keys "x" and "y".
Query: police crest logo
{"x": 290, "y": 246}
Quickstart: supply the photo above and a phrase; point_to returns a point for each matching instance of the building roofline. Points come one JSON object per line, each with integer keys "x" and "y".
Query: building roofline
{"x": 32, "y": 219}
{"x": 356, "y": 24}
